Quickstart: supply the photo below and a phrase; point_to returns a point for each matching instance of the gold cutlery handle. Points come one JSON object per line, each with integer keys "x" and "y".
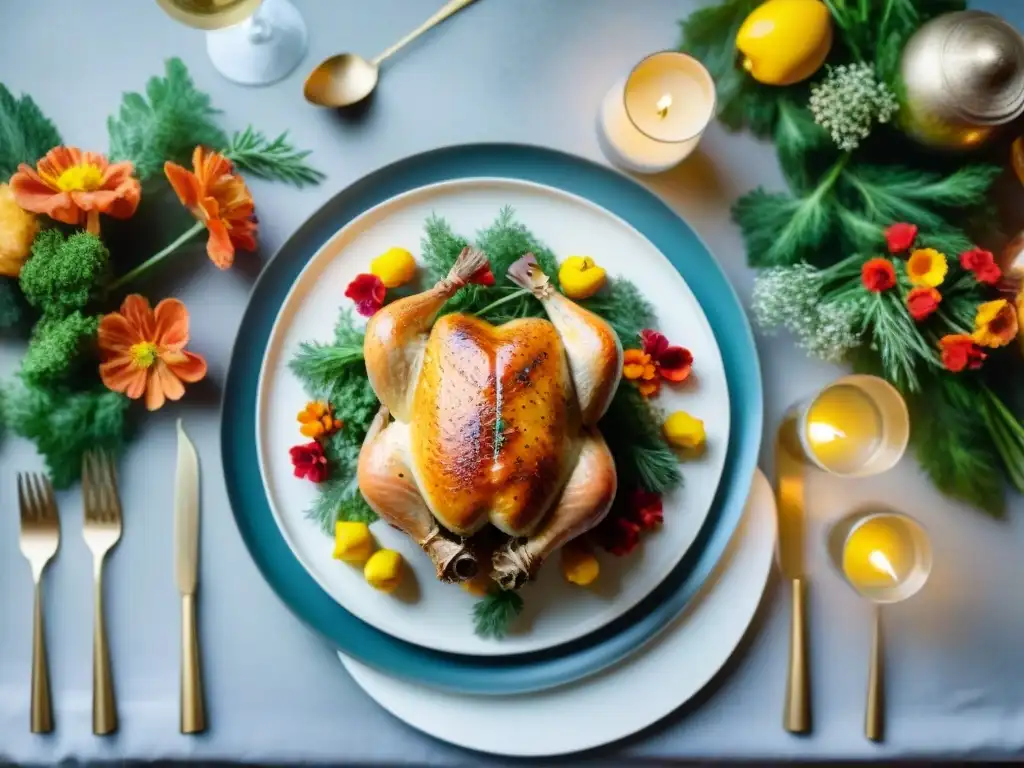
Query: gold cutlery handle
{"x": 443, "y": 13}
{"x": 193, "y": 708}
{"x": 874, "y": 713}
{"x": 797, "y": 715}
{"x": 41, "y": 720}
{"x": 104, "y": 706}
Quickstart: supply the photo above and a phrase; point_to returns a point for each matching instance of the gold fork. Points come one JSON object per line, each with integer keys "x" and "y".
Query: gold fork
{"x": 102, "y": 531}
{"x": 40, "y": 536}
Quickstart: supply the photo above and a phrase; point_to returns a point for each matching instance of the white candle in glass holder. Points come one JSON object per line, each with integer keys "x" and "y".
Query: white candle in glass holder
{"x": 654, "y": 118}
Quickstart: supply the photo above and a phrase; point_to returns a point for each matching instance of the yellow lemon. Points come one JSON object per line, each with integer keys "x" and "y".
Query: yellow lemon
{"x": 394, "y": 267}
{"x": 383, "y": 570}
{"x": 684, "y": 431}
{"x": 580, "y": 277}
{"x": 352, "y": 542}
{"x": 785, "y": 41}
{"x": 579, "y": 565}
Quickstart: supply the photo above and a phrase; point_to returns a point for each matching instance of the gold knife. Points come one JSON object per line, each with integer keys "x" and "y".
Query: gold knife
{"x": 796, "y": 717}
{"x": 186, "y": 566}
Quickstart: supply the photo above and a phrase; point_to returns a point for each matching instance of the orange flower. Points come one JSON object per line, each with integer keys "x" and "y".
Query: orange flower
{"x": 143, "y": 351}
{"x": 995, "y": 325}
{"x": 75, "y": 187}
{"x": 317, "y": 420}
{"x": 218, "y": 198}
{"x": 638, "y": 366}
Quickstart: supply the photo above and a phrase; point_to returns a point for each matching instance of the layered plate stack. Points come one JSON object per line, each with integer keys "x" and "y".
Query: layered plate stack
{"x": 566, "y": 634}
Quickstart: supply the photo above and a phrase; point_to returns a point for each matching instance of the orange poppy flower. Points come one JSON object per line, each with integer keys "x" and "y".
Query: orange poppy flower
{"x": 217, "y": 197}
{"x": 75, "y": 187}
{"x": 638, "y": 366}
{"x": 143, "y": 351}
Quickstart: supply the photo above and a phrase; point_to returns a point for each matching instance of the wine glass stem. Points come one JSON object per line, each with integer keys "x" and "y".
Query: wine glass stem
{"x": 258, "y": 26}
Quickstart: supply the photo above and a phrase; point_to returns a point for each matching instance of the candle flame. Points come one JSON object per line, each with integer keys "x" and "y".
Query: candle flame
{"x": 820, "y": 432}
{"x": 878, "y": 559}
{"x": 663, "y": 104}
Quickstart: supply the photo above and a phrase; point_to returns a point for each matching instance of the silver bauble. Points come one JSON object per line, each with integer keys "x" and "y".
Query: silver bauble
{"x": 963, "y": 77}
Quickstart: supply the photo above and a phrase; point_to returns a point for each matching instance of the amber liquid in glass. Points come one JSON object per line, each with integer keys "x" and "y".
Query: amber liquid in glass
{"x": 210, "y": 14}
{"x": 843, "y": 428}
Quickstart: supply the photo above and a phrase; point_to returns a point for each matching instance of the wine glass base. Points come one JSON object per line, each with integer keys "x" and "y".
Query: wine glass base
{"x": 261, "y": 50}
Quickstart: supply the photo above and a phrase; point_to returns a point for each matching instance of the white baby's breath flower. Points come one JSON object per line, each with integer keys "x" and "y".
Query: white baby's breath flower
{"x": 785, "y": 296}
{"x": 836, "y": 330}
{"x": 848, "y": 103}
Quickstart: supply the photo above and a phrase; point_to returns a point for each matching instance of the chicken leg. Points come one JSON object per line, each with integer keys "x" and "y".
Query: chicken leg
{"x": 396, "y": 335}
{"x": 584, "y": 502}
{"x": 387, "y": 483}
{"x": 593, "y": 348}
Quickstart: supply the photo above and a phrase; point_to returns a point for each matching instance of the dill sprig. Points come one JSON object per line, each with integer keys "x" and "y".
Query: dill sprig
{"x": 642, "y": 457}
{"x": 278, "y": 160}
{"x": 494, "y": 613}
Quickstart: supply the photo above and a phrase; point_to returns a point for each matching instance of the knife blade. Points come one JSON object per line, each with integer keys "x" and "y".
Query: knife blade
{"x": 790, "y": 502}
{"x": 186, "y": 516}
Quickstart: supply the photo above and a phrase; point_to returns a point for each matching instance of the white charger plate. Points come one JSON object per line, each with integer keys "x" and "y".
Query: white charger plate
{"x": 578, "y": 716}
{"x": 436, "y": 615}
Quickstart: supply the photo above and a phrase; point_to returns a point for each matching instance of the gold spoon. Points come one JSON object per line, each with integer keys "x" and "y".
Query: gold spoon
{"x": 347, "y": 78}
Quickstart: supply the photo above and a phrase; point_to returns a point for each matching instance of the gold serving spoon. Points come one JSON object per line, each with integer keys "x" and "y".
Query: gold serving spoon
{"x": 347, "y": 78}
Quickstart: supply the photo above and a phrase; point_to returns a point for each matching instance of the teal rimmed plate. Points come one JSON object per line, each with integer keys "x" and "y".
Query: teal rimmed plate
{"x": 596, "y": 650}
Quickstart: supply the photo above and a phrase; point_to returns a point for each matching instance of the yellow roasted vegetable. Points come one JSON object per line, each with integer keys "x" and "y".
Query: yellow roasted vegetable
{"x": 579, "y": 564}
{"x": 18, "y": 229}
{"x": 684, "y": 431}
{"x": 383, "y": 570}
{"x": 785, "y": 41}
{"x": 394, "y": 267}
{"x": 353, "y": 542}
{"x": 580, "y": 277}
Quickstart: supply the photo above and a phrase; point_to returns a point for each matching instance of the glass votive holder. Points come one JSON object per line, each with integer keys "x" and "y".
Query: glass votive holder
{"x": 855, "y": 427}
{"x": 653, "y": 119}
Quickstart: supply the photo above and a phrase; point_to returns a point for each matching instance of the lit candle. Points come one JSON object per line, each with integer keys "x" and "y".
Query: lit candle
{"x": 856, "y": 426}
{"x": 651, "y": 120}
{"x": 886, "y": 556}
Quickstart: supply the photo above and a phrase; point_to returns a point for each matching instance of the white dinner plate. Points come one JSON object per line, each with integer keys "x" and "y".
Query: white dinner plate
{"x": 590, "y": 713}
{"x": 440, "y": 615}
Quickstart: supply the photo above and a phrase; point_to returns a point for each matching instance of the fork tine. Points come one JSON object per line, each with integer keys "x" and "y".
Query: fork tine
{"x": 50, "y": 499}
{"x": 111, "y": 472}
{"x": 42, "y": 507}
{"x": 88, "y": 489}
{"x": 23, "y": 504}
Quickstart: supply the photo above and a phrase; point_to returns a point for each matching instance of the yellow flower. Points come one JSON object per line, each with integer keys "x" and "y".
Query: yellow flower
{"x": 995, "y": 325}
{"x": 383, "y": 570}
{"x": 638, "y": 366}
{"x": 579, "y": 565}
{"x": 394, "y": 267}
{"x": 317, "y": 420}
{"x": 927, "y": 267}
{"x": 580, "y": 277}
{"x": 352, "y": 542}
{"x": 18, "y": 228}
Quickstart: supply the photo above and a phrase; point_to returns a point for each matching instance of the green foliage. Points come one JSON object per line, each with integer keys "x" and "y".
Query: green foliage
{"x": 626, "y": 309}
{"x": 166, "y": 124}
{"x": 58, "y": 348}
{"x": 779, "y": 229}
{"x": 953, "y": 443}
{"x": 324, "y": 367}
{"x": 65, "y": 424}
{"x": 709, "y": 34}
{"x": 1007, "y": 435}
{"x": 504, "y": 242}
{"x": 642, "y": 457}
{"x": 63, "y": 275}
{"x": 494, "y": 613}
{"x": 339, "y": 497}
{"x": 26, "y": 134}
{"x": 276, "y": 160}
{"x": 13, "y": 310}
{"x": 896, "y": 340}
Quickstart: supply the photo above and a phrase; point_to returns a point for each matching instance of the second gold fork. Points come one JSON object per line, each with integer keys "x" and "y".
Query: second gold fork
{"x": 102, "y": 531}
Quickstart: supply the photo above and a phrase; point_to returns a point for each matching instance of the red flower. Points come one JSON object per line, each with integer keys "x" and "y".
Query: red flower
{"x": 368, "y": 292}
{"x": 878, "y": 275}
{"x": 922, "y": 302}
{"x": 619, "y": 536}
{"x": 310, "y": 462}
{"x": 959, "y": 351}
{"x": 673, "y": 363}
{"x": 483, "y": 276}
{"x": 899, "y": 237}
{"x": 983, "y": 264}
{"x": 646, "y": 509}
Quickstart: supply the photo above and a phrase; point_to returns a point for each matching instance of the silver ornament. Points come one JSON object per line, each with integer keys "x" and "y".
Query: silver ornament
{"x": 963, "y": 78}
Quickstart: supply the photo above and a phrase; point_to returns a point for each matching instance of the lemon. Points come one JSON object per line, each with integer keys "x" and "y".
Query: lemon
{"x": 684, "y": 431}
{"x": 785, "y": 41}
{"x": 579, "y": 565}
{"x": 580, "y": 277}
{"x": 352, "y": 542}
{"x": 383, "y": 570}
{"x": 394, "y": 267}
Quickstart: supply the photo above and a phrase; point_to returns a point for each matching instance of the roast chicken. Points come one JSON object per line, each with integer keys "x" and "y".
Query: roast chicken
{"x": 484, "y": 425}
